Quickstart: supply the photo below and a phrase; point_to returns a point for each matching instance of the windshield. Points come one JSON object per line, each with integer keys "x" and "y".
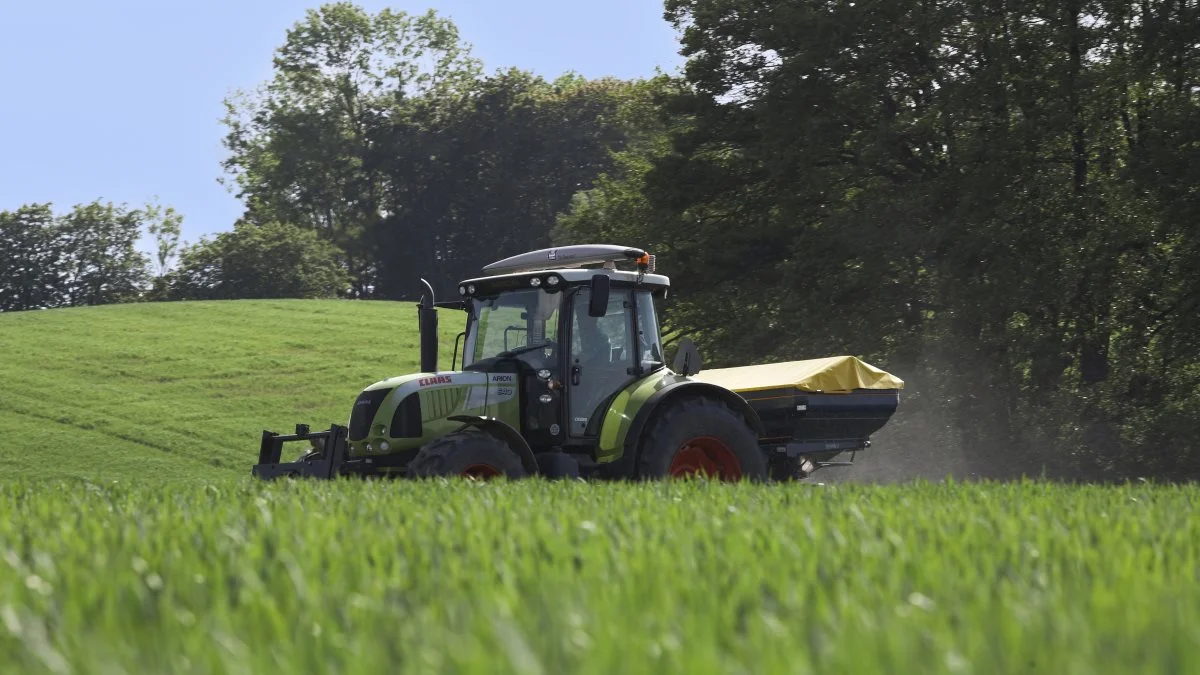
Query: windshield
{"x": 520, "y": 323}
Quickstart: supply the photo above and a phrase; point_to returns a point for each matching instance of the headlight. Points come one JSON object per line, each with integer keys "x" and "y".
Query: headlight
{"x": 383, "y": 446}
{"x": 471, "y": 289}
{"x": 545, "y": 398}
{"x": 553, "y": 281}
{"x": 535, "y": 282}
{"x": 462, "y": 290}
{"x": 543, "y": 374}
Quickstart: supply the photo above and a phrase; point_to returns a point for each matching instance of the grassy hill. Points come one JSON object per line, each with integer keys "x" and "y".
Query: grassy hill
{"x": 182, "y": 391}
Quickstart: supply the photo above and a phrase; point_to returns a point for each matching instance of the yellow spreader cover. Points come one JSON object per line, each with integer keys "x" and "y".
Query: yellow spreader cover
{"x": 831, "y": 375}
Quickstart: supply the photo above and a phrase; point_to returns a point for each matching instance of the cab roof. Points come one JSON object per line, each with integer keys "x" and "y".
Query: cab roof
{"x": 565, "y": 257}
{"x": 570, "y": 276}
{"x": 572, "y": 265}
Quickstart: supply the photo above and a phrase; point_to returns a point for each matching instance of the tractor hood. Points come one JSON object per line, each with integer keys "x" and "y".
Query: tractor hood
{"x": 409, "y": 410}
{"x": 442, "y": 393}
{"x": 422, "y": 380}
{"x": 475, "y": 389}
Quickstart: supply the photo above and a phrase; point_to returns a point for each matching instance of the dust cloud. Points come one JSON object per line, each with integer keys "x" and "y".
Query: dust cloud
{"x": 925, "y": 440}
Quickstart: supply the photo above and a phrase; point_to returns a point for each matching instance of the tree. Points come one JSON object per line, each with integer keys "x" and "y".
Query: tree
{"x": 165, "y": 226}
{"x": 32, "y": 263}
{"x": 380, "y": 132}
{"x": 259, "y": 261}
{"x": 485, "y": 175}
{"x": 100, "y": 241}
{"x": 305, "y": 147}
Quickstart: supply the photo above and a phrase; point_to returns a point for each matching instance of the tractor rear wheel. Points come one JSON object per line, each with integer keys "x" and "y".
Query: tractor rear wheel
{"x": 469, "y": 453}
{"x": 701, "y": 437}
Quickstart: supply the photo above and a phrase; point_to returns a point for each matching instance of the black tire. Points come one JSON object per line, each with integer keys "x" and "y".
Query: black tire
{"x": 469, "y": 453}
{"x": 555, "y": 465}
{"x": 694, "y": 435}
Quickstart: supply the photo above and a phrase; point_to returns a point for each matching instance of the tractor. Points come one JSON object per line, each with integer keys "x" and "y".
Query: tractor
{"x": 563, "y": 374}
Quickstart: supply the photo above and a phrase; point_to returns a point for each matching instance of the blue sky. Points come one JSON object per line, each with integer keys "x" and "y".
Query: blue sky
{"x": 121, "y": 99}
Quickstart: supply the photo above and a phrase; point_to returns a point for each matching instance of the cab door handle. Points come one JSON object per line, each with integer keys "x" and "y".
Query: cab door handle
{"x": 575, "y": 371}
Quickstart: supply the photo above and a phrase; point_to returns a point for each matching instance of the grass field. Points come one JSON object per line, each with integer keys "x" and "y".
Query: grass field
{"x": 549, "y": 578}
{"x": 132, "y": 539}
{"x": 172, "y": 392}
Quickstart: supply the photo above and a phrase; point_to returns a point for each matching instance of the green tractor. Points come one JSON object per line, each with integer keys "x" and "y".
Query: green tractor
{"x": 563, "y": 375}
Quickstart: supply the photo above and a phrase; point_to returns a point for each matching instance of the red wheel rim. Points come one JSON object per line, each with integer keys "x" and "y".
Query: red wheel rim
{"x": 480, "y": 471}
{"x": 706, "y": 456}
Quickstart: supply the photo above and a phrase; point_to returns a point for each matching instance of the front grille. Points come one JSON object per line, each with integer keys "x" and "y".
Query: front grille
{"x": 365, "y": 407}
{"x": 406, "y": 423}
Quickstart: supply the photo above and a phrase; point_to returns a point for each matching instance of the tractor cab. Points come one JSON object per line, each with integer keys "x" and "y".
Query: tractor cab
{"x": 572, "y": 326}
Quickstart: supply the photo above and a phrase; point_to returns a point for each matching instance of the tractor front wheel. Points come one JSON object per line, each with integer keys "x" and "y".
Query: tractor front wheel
{"x": 701, "y": 437}
{"x": 469, "y": 453}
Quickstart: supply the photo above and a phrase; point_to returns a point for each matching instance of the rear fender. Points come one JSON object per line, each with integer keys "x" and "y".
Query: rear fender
{"x": 504, "y": 432}
{"x": 671, "y": 392}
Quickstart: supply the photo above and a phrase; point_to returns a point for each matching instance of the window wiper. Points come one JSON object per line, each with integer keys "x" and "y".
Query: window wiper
{"x": 527, "y": 348}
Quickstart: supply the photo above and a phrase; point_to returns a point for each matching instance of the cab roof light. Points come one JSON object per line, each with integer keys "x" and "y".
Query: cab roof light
{"x": 646, "y": 263}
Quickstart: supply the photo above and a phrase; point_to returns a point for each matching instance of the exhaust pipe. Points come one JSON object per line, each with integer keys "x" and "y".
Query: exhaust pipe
{"x": 428, "y": 323}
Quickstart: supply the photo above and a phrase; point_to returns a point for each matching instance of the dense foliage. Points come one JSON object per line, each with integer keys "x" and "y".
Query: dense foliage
{"x": 87, "y": 256}
{"x": 381, "y": 132}
{"x": 993, "y": 198}
{"x": 271, "y": 260}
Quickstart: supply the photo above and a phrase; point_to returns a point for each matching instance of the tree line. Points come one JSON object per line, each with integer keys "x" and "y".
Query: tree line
{"x": 87, "y": 256}
{"x": 90, "y": 256}
{"x": 993, "y": 198}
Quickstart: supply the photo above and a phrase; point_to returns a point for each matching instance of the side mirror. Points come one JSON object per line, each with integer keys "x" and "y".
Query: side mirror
{"x": 687, "y": 359}
{"x": 598, "y": 304}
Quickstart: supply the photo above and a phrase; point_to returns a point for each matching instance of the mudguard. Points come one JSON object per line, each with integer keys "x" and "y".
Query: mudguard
{"x": 638, "y": 426}
{"x": 504, "y": 432}
{"x": 623, "y": 465}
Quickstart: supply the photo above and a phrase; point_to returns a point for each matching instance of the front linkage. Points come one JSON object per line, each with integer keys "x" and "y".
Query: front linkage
{"x": 323, "y": 462}
{"x": 329, "y": 459}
